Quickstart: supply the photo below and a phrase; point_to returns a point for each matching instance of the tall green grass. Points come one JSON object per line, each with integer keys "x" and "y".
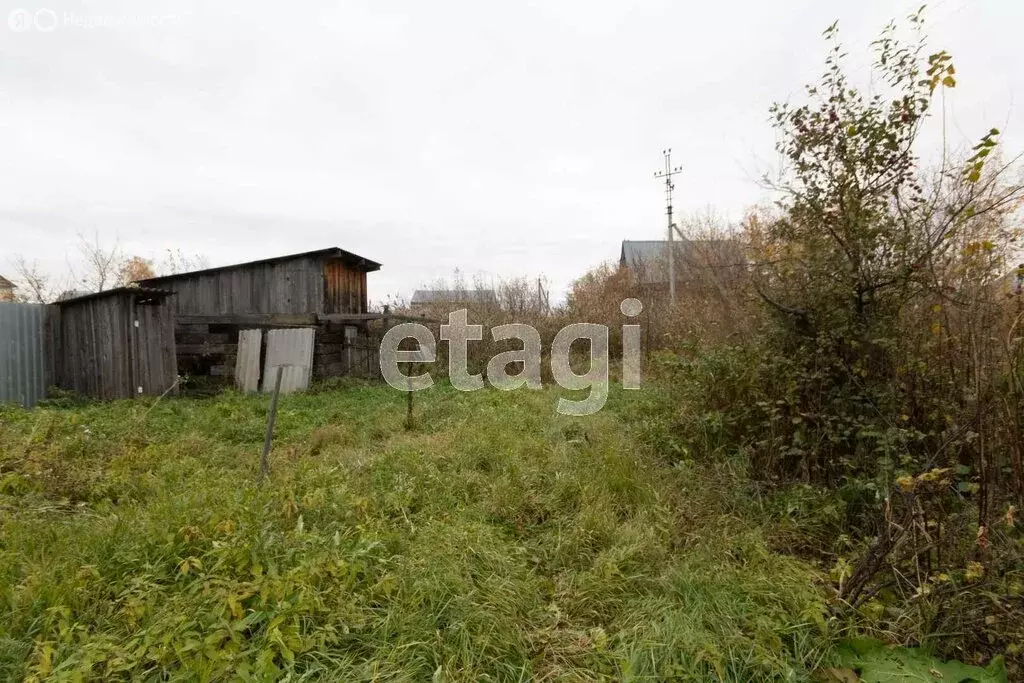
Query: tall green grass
{"x": 494, "y": 541}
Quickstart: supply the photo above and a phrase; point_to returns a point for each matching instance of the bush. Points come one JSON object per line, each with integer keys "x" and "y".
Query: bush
{"x": 881, "y": 395}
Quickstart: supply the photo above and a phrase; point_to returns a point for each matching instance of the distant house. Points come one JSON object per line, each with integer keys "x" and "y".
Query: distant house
{"x": 452, "y": 299}
{"x": 647, "y": 260}
{"x": 6, "y": 289}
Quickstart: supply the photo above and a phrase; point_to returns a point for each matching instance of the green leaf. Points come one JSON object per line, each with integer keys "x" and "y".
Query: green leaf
{"x": 875, "y": 662}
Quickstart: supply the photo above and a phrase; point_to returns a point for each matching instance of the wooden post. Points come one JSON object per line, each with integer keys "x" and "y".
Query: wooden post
{"x": 385, "y": 326}
{"x": 271, "y": 417}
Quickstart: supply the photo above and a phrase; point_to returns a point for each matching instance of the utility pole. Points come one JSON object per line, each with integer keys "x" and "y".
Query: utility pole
{"x": 669, "y": 186}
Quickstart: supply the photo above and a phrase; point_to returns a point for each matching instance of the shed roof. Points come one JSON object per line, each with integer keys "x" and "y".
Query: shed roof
{"x": 5, "y": 283}
{"x": 330, "y": 252}
{"x": 431, "y": 296}
{"x": 147, "y": 293}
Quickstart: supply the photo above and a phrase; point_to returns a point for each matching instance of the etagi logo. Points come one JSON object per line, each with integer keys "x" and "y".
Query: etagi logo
{"x": 458, "y": 333}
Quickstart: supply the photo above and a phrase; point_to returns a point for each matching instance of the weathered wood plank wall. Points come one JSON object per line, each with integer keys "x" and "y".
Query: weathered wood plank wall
{"x": 97, "y": 349}
{"x": 93, "y": 349}
{"x": 294, "y": 286}
{"x": 344, "y": 288}
{"x": 303, "y": 285}
{"x": 157, "y": 364}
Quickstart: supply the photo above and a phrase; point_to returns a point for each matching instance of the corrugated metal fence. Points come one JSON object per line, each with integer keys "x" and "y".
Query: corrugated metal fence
{"x": 22, "y": 359}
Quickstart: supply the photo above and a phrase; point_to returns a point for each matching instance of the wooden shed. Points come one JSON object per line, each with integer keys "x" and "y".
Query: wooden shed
{"x": 113, "y": 344}
{"x": 323, "y": 289}
{"x": 325, "y": 281}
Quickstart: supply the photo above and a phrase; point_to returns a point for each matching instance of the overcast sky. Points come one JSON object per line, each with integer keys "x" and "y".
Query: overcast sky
{"x": 506, "y": 138}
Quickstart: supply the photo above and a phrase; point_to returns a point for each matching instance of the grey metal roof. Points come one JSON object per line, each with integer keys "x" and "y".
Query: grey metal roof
{"x": 635, "y": 252}
{"x": 649, "y": 258}
{"x": 330, "y": 252}
{"x": 433, "y": 296}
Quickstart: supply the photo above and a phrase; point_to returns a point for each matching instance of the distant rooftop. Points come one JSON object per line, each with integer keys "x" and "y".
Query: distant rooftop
{"x": 649, "y": 258}
{"x": 5, "y": 283}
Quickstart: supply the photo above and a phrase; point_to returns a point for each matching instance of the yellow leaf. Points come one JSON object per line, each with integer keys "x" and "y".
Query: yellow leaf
{"x": 225, "y": 527}
{"x": 836, "y": 675}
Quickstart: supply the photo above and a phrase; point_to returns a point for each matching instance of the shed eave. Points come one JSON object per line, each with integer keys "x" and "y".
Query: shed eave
{"x": 117, "y": 291}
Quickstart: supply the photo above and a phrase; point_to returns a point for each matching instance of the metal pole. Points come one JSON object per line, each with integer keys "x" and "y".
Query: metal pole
{"x": 271, "y": 418}
{"x": 669, "y": 186}
{"x": 671, "y": 261}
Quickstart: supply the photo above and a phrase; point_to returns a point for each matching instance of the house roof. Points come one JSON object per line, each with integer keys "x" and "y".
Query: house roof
{"x": 147, "y": 293}
{"x": 635, "y": 251}
{"x": 431, "y": 296}
{"x": 330, "y": 252}
{"x": 5, "y": 283}
{"x": 650, "y": 257}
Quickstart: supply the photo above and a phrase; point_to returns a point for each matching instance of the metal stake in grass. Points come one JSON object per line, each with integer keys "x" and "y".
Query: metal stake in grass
{"x": 271, "y": 417}
{"x": 408, "y": 403}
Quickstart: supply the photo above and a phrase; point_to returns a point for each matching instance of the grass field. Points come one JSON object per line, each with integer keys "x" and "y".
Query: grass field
{"x": 494, "y": 541}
